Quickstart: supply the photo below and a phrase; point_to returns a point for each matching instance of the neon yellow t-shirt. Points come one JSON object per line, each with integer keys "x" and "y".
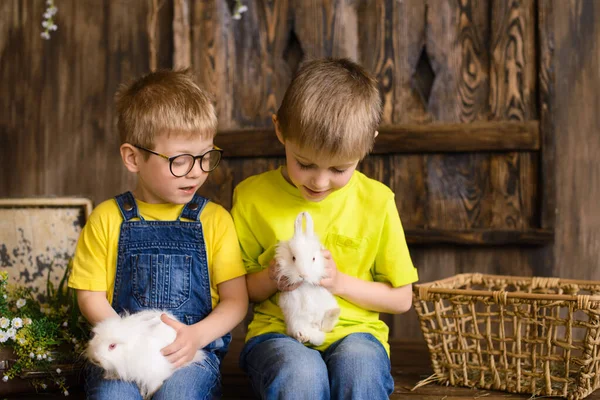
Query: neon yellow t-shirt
{"x": 359, "y": 224}
{"x": 95, "y": 260}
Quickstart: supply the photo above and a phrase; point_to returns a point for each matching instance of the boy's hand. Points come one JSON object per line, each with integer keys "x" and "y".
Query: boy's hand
{"x": 332, "y": 278}
{"x": 186, "y": 344}
{"x": 282, "y": 282}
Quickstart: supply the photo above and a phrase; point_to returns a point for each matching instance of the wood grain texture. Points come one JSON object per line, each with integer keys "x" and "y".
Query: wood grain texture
{"x": 547, "y": 110}
{"x": 390, "y": 40}
{"x": 577, "y": 69}
{"x": 512, "y": 97}
{"x": 182, "y": 40}
{"x": 56, "y": 108}
{"x": 403, "y": 138}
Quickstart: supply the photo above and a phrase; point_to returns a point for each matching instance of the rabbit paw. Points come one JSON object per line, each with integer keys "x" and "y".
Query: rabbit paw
{"x": 330, "y": 319}
{"x": 301, "y": 337}
{"x": 317, "y": 338}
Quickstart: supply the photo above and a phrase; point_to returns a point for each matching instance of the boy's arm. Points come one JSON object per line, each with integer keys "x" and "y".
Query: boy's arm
{"x": 260, "y": 286}
{"x": 393, "y": 272}
{"x": 94, "y": 306}
{"x": 230, "y": 311}
{"x": 376, "y": 296}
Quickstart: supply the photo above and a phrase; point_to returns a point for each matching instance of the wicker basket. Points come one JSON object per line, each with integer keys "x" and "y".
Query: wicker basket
{"x": 521, "y": 335}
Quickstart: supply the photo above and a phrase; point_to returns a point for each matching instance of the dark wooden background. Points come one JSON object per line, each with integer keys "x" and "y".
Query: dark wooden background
{"x": 490, "y": 127}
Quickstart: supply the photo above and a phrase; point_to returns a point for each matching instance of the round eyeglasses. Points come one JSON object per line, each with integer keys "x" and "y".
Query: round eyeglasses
{"x": 181, "y": 165}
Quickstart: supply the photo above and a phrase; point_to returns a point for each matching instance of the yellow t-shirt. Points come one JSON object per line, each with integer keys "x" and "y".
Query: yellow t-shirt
{"x": 95, "y": 260}
{"x": 359, "y": 224}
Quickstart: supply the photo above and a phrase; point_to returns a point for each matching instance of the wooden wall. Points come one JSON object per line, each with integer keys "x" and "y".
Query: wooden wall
{"x": 472, "y": 111}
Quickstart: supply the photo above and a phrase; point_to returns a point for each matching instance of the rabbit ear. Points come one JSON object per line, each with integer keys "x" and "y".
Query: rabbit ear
{"x": 309, "y": 224}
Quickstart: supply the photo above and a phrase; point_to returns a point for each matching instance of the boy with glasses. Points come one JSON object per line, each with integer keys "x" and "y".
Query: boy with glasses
{"x": 327, "y": 123}
{"x": 162, "y": 246}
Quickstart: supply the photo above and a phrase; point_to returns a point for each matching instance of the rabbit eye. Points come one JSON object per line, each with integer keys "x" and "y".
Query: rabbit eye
{"x": 313, "y": 259}
{"x": 112, "y": 346}
{"x": 293, "y": 258}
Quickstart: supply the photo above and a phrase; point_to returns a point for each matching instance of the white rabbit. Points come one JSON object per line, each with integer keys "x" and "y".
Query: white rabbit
{"x": 128, "y": 348}
{"x": 309, "y": 310}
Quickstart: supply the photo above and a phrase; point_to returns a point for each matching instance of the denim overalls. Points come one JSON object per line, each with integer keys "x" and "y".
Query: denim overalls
{"x": 163, "y": 265}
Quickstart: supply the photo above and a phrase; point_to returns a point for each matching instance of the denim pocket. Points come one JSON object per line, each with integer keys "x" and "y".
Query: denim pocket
{"x": 161, "y": 280}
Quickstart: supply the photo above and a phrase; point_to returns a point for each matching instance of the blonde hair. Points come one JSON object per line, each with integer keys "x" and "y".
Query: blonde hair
{"x": 333, "y": 107}
{"x": 160, "y": 102}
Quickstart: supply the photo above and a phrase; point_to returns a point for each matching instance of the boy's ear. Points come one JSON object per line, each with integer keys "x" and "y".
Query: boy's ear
{"x": 130, "y": 157}
{"x": 277, "y": 129}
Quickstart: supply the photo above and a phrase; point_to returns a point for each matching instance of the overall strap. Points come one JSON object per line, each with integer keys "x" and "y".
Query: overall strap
{"x": 193, "y": 209}
{"x": 128, "y": 206}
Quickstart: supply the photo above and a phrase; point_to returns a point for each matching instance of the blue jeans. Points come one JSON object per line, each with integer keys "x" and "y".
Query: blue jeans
{"x": 355, "y": 367}
{"x": 197, "y": 381}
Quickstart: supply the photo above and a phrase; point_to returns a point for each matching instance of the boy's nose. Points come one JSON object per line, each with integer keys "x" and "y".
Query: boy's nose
{"x": 320, "y": 181}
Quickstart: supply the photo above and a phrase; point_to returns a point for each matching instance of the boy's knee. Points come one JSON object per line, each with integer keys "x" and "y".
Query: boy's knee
{"x": 360, "y": 353}
{"x": 194, "y": 381}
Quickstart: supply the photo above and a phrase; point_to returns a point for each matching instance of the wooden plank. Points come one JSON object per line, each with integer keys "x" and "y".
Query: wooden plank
{"x": 326, "y": 28}
{"x": 403, "y": 138}
{"x": 512, "y": 98}
{"x": 58, "y": 136}
{"x": 547, "y": 101}
{"x": 577, "y": 66}
{"x": 390, "y": 40}
{"x": 479, "y": 236}
{"x": 182, "y": 40}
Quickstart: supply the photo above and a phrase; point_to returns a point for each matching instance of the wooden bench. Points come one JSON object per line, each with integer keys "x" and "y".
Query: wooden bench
{"x": 410, "y": 364}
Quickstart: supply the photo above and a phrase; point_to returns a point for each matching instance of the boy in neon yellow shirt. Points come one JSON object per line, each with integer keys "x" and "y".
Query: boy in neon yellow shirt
{"x": 162, "y": 246}
{"x": 327, "y": 122}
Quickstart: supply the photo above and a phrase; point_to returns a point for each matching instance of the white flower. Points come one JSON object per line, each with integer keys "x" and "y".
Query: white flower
{"x": 50, "y": 359}
{"x": 21, "y": 303}
{"x": 5, "y": 296}
{"x": 5, "y": 378}
{"x": 237, "y": 15}
{"x": 22, "y": 341}
{"x": 27, "y": 321}
{"x": 66, "y": 392}
{"x": 12, "y": 332}
{"x": 58, "y": 370}
{"x": 17, "y": 322}
{"x": 44, "y": 386}
{"x": 4, "y": 322}
{"x": 45, "y": 24}
{"x": 53, "y": 27}
{"x": 242, "y": 9}
{"x": 31, "y": 355}
{"x": 74, "y": 340}
{"x": 65, "y": 324}
{"x": 49, "y": 2}
{"x": 44, "y": 356}
{"x": 39, "y": 356}
{"x": 3, "y": 336}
